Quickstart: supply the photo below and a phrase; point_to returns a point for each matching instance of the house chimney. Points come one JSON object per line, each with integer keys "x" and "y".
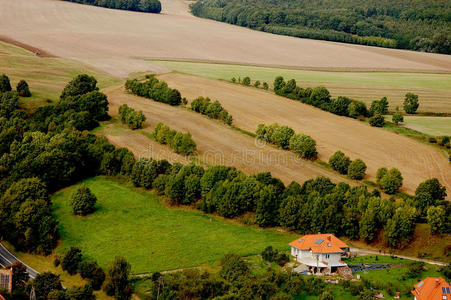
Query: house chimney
{"x": 437, "y": 282}
{"x": 329, "y": 237}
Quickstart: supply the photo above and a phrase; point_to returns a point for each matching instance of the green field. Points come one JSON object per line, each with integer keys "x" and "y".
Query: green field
{"x": 434, "y": 89}
{"x": 46, "y": 76}
{"x": 437, "y": 126}
{"x": 153, "y": 237}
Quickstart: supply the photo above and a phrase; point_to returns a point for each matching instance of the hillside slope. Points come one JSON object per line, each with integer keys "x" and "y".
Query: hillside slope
{"x": 377, "y": 147}
{"x": 116, "y": 41}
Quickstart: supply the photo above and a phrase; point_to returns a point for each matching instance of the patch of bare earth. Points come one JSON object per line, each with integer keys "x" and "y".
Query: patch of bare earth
{"x": 117, "y": 41}
{"x": 216, "y": 143}
{"x": 376, "y": 147}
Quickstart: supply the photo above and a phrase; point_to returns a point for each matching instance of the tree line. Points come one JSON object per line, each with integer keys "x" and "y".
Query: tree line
{"x": 179, "y": 142}
{"x": 46, "y": 151}
{"x": 154, "y": 89}
{"x": 416, "y": 25}
{"x": 318, "y": 205}
{"x": 148, "y": 6}
{"x": 213, "y": 110}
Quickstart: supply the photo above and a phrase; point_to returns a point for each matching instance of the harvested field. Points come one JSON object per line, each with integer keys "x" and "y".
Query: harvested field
{"x": 117, "y": 41}
{"x": 434, "y": 90}
{"x": 377, "y": 147}
{"x": 216, "y": 143}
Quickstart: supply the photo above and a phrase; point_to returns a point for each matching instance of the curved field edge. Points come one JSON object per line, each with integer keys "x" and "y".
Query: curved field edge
{"x": 137, "y": 225}
{"x": 434, "y": 90}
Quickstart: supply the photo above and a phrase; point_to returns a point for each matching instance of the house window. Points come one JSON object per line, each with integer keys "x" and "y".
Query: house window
{"x": 327, "y": 255}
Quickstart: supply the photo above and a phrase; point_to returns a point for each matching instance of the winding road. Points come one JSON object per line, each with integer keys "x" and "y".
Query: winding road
{"x": 7, "y": 258}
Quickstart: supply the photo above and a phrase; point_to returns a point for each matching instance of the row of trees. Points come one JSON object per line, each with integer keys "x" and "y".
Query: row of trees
{"x": 179, "y": 142}
{"x": 247, "y": 81}
{"x": 354, "y": 169}
{"x": 154, "y": 89}
{"x": 149, "y": 6}
{"x": 318, "y": 205}
{"x": 134, "y": 119}
{"x": 22, "y": 86}
{"x": 286, "y": 138}
{"x": 422, "y": 26}
{"x": 213, "y": 110}
{"x": 46, "y": 151}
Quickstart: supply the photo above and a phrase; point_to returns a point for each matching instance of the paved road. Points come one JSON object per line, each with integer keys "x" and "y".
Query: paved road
{"x": 365, "y": 252}
{"x": 7, "y": 258}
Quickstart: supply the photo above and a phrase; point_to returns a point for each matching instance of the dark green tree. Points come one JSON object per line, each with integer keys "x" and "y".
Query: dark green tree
{"x": 71, "y": 260}
{"x": 411, "y": 103}
{"x": 83, "y": 201}
{"x": 23, "y": 89}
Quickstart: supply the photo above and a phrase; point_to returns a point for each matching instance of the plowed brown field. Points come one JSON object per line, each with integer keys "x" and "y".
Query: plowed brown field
{"x": 116, "y": 41}
{"x": 377, "y": 147}
{"x": 216, "y": 143}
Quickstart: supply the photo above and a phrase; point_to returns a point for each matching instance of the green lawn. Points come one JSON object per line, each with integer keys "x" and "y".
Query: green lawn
{"x": 434, "y": 89}
{"x": 153, "y": 237}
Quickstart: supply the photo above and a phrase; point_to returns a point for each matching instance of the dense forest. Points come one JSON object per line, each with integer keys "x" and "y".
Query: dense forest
{"x": 420, "y": 25}
{"x": 150, "y": 6}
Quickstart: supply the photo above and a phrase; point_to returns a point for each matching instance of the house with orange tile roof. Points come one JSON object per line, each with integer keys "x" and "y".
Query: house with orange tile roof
{"x": 6, "y": 280}
{"x": 432, "y": 288}
{"x": 320, "y": 252}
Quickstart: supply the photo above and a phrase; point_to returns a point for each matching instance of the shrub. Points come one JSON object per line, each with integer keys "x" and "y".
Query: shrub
{"x": 154, "y": 89}
{"x": 265, "y": 86}
{"x": 411, "y": 103}
{"x": 397, "y": 118}
{"x": 357, "y": 109}
{"x": 257, "y": 83}
{"x": 5, "y": 84}
{"x": 180, "y": 142}
{"x": 357, "y": 169}
{"x": 233, "y": 79}
{"x": 340, "y": 106}
{"x": 339, "y": 162}
{"x": 71, "y": 260}
{"x": 213, "y": 110}
{"x": 377, "y": 120}
{"x": 391, "y": 181}
{"x": 320, "y": 95}
{"x": 246, "y": 81}
{"x": 83, "y": 201}
{"x": 134, "y": 119}
{"x": 22, "y": 89}
{"x": 303, "y": 145}
{"x": 436, "y": 219}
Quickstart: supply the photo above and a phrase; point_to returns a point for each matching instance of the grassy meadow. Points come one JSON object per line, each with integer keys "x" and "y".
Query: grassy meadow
{"x": 137, "y": 225}
{"x": 436, "y": 126}
{"x": 434, "y": 89}
{"x": 46, "y": 76}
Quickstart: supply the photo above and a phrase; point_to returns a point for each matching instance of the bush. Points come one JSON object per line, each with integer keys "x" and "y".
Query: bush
{"x": 433, "y": 188}
{"x": 5, "y": 84}
{"x": 389, "y": 181}
{"x": 180, "y": 142}
{"x": 411, "y": 103}
{"x": 357, "y": 169}
{"x": 134, "y": 119}
{"x": 246, "y": 81}
{"x": 339, "y": 162}
{"x": 71, "y": 260}
{"x": 379, "y": 107}
{"x": 233, "y": 79}
{"x": 154, "y": 89}
{"x": 357, "y": 109}
{"x": 83, "y": 201}
{"x": 436, "y": 217}
{"x": 265, "y": 86}
{"x": 22, "y": 89}
{"x": 377, "y": 121}
{"x": 320, "y": 95}
{"x": 397, "y": 118}
{"x": 213, "y": 110}
{"x": 257, "y": 83}
{"x": 303, "y": 145}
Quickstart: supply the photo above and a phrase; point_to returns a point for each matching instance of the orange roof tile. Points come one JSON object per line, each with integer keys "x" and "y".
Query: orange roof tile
{"x": 432, "y": 288}
{"x": 319, "y": 243}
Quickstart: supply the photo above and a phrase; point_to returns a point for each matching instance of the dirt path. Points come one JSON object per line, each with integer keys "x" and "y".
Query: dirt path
{"x": 117, "y": 41}
{"x": 376, "y": 147}
{"x": 371, "y": 252}
{"x": 217, "y": 143}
